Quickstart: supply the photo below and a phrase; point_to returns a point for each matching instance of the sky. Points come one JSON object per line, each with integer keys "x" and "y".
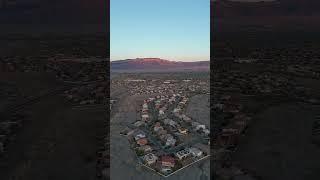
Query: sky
{"x": 176, "y": 30}
{"x": 249, "y": 0}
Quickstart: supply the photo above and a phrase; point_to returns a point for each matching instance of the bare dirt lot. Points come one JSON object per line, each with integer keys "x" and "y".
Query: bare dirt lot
{"x": 200, "y": 109}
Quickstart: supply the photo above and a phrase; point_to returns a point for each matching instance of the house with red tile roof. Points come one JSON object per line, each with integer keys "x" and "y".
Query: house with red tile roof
{"x": 142, "y": 141}
{"x": 167, "y": 161}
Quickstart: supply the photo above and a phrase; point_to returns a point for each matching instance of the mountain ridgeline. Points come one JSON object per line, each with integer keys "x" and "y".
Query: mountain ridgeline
{"x": 157, "y": 64}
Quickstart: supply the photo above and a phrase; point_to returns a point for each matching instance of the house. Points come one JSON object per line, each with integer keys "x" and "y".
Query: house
{"x": 167, "y": 161}
{"x": 145, "y": 117}
{"x": 142, "y": 141}
{"x": 157, "y": 127}
{"x": 163, "y": 137}
{"x": 206, "y": 132}
{"x": 176, "y": 110}
{"x": 170, "y": 140}
{"x": 178, "y": 115}
{"x": 157, "y": 105}
{"x": 170, "y": 122}
{"x": 139, "y": 135}
{"x": 150, "y": 158}
{"x": 195, "y": 152}
{"x": 182, "y": 154}
{"x": 200, "y": 126}
{"x": 144, "y": 111}
{"x": 183, "y": 131}
{"x": 157, "y": 101}
{"x": 182, "y": 103}
{"x": 161, "y": 112}
{"x": 166, "y": 170}
{"x": 146, "y": 148}
{"x": 173, "y": 99}
{"x": 186, "y": 118}
{"x": 145, "y": 106}
{"x": 162, "y": 132}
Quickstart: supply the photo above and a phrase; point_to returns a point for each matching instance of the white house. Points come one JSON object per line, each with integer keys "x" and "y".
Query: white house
{"x": 144, "y": 117}
{"x": 139, "y": 135}
{"x": 170, "y": 140}
{"x": 195, "y": 152}
{"x": 145, "y": 106}
{"x": 182, "y": 154}
{"x": 201, "y": 126}
{"x": 150, "y": 158}
{"x": 206, "y": 132}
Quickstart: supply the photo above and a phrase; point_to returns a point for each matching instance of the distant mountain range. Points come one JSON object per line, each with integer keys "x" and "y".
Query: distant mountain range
{"x": 228, "y": 8}
{"x": 157, "y": 64}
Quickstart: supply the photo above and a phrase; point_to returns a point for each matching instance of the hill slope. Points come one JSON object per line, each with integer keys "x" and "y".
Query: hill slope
{"x": 157, "y": 64}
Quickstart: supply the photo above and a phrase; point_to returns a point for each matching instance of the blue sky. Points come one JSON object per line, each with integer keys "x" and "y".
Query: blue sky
{"x": 171, "y": 29}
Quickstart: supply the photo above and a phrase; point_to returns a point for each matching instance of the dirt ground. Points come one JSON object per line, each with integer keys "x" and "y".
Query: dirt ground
{"x": 199, "y": 110}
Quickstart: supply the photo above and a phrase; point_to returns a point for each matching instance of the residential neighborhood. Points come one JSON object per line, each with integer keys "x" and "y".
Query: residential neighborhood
{"x": 164, "y": 137}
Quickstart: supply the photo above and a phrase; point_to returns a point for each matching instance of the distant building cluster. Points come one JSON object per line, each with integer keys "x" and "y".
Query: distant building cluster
{"x": 163, "y": 86}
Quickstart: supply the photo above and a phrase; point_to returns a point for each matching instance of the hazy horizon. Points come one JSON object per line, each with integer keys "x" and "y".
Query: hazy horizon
{"x": 160, "y": 58}
{"x": 172, "y": 30}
